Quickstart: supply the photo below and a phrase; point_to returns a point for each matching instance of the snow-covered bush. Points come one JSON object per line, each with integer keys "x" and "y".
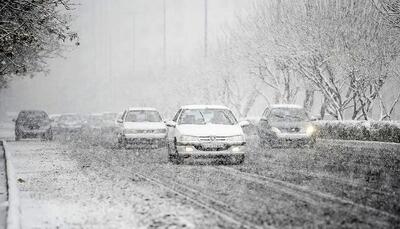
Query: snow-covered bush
{"x": 359, "y": 130}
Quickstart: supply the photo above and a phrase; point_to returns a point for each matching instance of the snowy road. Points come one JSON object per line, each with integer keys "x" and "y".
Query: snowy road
{"x": 71, "y": 185}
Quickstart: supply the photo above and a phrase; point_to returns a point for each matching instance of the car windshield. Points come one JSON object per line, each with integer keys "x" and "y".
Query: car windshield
{"x": 32, "y": 116}
{"x": 207, "y": 116}
{"x": 69, "y": 118}
{"x": 288, "y": 114}
{"x": 143, "y": 116}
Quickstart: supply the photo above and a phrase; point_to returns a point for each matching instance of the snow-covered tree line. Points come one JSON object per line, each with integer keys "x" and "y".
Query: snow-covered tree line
{"x": 31, "y": 32}
{"x": 345, "y": 50}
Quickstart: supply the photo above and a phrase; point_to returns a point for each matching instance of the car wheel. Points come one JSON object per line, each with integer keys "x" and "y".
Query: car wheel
{"x": 173, "y": 155}
{"x": 238, "y": 159}
{"x": 120, "y": 142}
{"x": 312, "y": 142}
{"x": 263, "y": 143}
{"x": 49, "y": 135}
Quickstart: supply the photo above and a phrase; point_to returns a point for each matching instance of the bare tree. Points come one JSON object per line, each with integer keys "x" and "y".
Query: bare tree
{"x": 343, "y": 48}
{"x": 30, "y": 33}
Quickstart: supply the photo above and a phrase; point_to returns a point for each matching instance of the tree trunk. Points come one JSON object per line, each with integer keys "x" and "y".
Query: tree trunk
{"x": 309, "y": 100}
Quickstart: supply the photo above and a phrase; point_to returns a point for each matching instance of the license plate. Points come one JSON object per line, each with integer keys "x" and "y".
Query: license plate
{"x": 213, "y": 146}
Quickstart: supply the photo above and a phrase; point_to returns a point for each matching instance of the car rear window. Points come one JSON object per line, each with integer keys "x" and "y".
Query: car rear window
{"x": 143, "y": 116}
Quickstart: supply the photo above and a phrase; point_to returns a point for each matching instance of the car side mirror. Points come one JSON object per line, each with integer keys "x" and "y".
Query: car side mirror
{"x": 244, "y": 123}
{"x": 14, "y": 120}
{"x": 120, "y": 120}
{"x": 170, "y": 123}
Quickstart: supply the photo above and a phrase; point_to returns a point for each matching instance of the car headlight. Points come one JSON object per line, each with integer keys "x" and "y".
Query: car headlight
{"x": 275, "y": 130}
{"x": 237, "y": 138}
{"x": 160, "y": 131}
{"x": 187, "y": 138}
{"x": 310, "y": 130}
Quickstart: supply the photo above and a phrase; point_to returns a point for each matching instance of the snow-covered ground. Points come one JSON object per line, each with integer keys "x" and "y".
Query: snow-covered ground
{"x": 82, "y": 181}
{"x": 57, "y": 192}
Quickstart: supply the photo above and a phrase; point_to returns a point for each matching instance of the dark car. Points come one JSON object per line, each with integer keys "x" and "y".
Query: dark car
{"x": 286, "y": 125}
{"x": 33, "y": 124}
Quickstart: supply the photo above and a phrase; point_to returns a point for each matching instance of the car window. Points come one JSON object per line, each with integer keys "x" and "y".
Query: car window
{"x": 288, "y": 114}
{"x": 207, "y": 116}
{"x": 143, "y": 116}
{"x": 70, "y": 118}
{"x": 32, "y": 115}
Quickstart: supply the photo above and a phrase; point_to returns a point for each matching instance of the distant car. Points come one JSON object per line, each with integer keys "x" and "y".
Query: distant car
{"x": 70, "y": 122}
{"x": 286, "y": 125}
{"x": 207, "y": 131}
{"x": 141, "y": 127}
{"x": 33, "y": 124}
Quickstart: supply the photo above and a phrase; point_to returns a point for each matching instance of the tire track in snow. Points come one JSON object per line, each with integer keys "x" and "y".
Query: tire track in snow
{"x": 206, "y": 202}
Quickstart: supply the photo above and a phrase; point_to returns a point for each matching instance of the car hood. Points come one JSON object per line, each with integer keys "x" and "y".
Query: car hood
{"x": 144, "y": 125}
{"x": 210, "y": 130}
{"x": 290, "y": 124}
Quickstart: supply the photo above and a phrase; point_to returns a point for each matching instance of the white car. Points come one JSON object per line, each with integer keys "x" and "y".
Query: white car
{"x": 141, "y": 127}
{"x": 208, "y": 131}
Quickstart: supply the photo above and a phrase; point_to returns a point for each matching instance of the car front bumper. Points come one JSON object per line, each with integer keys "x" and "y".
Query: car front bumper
{"x": 288, "y": 139}
{"x": 199, "y": 151}
{"x": 32, "y": 133}
{"x": 144, "y": 139}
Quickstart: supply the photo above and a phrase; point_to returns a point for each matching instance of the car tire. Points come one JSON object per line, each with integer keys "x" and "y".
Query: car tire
{"x": 121, "y": 144}
{"x": 173, "y": 155}
{"x": 49, "y": 135}
{"x": 239, "y": 159}
{"x": 263, "y": 144}
{"x": 312, "y": 142}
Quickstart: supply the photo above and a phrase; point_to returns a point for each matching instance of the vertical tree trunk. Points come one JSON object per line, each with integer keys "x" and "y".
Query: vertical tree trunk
{"x": 309, "y": 100}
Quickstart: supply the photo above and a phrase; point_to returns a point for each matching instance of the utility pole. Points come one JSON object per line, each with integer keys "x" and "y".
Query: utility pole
{"x": 133, "y": 42}
{"x": 165, "y": 33}
{"x": 205, "y": 27}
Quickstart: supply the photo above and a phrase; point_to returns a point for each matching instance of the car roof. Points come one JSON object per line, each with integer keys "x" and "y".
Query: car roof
{"x": 32, "y": 111}
{"x": 285, "y": 106}
{"x": 142, "y": 109}
{"x": 69, "y": 114}
{"x": 189, "y": 107}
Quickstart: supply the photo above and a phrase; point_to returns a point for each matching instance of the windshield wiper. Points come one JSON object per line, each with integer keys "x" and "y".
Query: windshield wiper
{"x": 204, "y": 120}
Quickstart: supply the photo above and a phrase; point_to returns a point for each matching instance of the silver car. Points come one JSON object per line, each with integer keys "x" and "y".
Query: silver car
{"x": 286, "y": 125}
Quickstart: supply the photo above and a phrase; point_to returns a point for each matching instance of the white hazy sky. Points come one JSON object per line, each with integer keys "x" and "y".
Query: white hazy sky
{"x": 120, "y": 56}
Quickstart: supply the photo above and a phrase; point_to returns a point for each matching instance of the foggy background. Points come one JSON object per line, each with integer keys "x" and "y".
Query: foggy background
{"x": 120, "y": 60}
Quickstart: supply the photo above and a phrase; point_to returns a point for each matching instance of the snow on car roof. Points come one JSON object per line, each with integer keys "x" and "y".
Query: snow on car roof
{"x": 286, "y": 106}
{"x": 142, "y": 109}
{"x": 204, "y": 107}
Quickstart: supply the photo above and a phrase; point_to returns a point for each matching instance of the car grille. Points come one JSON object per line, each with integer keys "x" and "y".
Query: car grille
{"x": 212, "y": 139}
{"x": 145, "y": 131}
{"x": 290, "y": 130}
{"x": 211, "y": 148}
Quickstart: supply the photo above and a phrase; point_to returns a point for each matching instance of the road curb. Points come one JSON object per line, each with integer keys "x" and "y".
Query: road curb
{"x": 14, "y": 211}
